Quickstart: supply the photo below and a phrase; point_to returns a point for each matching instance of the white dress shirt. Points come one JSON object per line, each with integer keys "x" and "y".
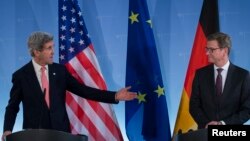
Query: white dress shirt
{"x": 223, "y": 73}
{"x": 38, "y": 72}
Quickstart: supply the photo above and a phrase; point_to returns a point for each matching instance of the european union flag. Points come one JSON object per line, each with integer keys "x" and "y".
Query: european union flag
{"x": 147, "y": 116}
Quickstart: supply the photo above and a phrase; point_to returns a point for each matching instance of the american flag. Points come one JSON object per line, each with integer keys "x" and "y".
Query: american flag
{"x": 76, "y": 52}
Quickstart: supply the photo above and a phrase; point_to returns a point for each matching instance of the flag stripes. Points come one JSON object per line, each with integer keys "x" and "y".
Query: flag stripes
{"x": 208, "y": 23}
{"x": 98, "y": 109}
{"x": 96, "y": 120}
{"x": 200, "y": 40}
{"x": 84, "y": 119}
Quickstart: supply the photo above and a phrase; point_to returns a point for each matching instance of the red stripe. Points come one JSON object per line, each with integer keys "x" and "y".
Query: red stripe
{"x": 208, "y": 23}
{"x": 91, "y": 47}
{"x": 84, "y": 119}
{"x": 98, "y": 109}
{"x": 108, "y": 121}
{"x": 73, "y": 72}
{"x": 198, "y": 58}
{"x": 90, "y": 68}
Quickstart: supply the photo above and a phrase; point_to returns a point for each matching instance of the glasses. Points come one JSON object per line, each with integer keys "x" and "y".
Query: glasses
{"x": 211, "y": 50}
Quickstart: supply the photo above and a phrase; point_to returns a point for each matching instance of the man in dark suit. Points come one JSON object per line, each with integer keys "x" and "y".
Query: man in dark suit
{"x": 220, "y": 90}
{"x": 28, "y": 88}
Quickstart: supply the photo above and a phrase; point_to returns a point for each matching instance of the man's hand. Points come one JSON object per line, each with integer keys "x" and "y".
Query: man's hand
{"x": 6, "y": 133}
{"x": 124, "y": 94}
{"x": 214, "y": 123}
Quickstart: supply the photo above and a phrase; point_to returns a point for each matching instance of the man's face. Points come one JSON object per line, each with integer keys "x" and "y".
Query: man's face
{"x": 214, "y": 52}
{"x": 45, "y": 56}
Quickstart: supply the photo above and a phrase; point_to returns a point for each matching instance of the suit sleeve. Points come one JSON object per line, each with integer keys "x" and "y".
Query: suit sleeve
{"x": 243, "y": 112}
{"x": 88, "y": 92}
{"x": 195, "y": 107}
{"x": 13, "y": 105}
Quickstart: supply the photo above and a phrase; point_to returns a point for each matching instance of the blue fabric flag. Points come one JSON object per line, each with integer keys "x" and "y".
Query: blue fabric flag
{"x": 147, "y": 116}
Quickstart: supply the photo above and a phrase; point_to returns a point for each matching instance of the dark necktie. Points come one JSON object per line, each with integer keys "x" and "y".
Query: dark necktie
{"x": 218, "y": 83}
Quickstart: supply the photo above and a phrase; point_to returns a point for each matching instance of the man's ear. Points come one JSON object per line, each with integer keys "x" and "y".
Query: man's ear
{"x": 225, "y": 50}
{"x": 37, "y": 52}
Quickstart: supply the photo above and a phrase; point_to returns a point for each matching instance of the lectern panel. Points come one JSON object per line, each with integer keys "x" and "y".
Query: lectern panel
{"x": 44, "y": 135}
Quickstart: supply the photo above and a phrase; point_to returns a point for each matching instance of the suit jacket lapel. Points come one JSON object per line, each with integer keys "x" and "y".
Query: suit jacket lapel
{"x": 228, "y": 80}
{"x": 52, "y": 79}
{"x": 32, "y": 79}
{"x": 211, "y": 80}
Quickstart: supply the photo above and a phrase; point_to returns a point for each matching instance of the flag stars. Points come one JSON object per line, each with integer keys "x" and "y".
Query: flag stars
{"x": 133, "y": 17}
{"x": 81, "y": 23}
{"x": 73, "y": 20}
{"x": 73, "y": 10}
{"x": 62, "y": 47}
{"x": 72, "y": 39}
{"x": 64, "y": 8}
{"x": 80, "y": 13}
{"x": 71, "y": 49}
{"x": 62, "y": 57}
{"x": 81, "y": 32}
{"x": 141, "y": 98}
{"x": 81, "y": 42}
{"x": 159, "y": 91}
{"x": 150, "y": 23}
{"x": 72, "y": 30}
{"x": 62, "y": 37}
{"x": 72, "y": 34}
{"x": 63, "y": 27}
{"x": 64, "y": 18}
{"x": 88, "y": 35}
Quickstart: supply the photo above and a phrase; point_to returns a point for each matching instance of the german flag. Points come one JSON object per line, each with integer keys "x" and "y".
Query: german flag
{"x": 208, "y": 24}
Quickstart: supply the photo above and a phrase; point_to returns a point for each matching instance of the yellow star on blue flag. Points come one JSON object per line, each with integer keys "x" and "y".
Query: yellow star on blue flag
{"x": 149, "y": 112}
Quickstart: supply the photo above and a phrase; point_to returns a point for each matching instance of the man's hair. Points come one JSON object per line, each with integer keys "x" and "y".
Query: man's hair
{"x": 37, "y": 40}
{"x": 224, "y": 40}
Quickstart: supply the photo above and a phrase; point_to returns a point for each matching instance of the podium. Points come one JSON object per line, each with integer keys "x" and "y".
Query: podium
{"x": 44, "y": 135}
{"x": 197, "y": 135}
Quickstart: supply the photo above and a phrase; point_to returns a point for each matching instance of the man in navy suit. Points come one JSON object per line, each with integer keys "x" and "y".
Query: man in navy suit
{"x": 220, "y": 100}
{"x": 27, "y": 88}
